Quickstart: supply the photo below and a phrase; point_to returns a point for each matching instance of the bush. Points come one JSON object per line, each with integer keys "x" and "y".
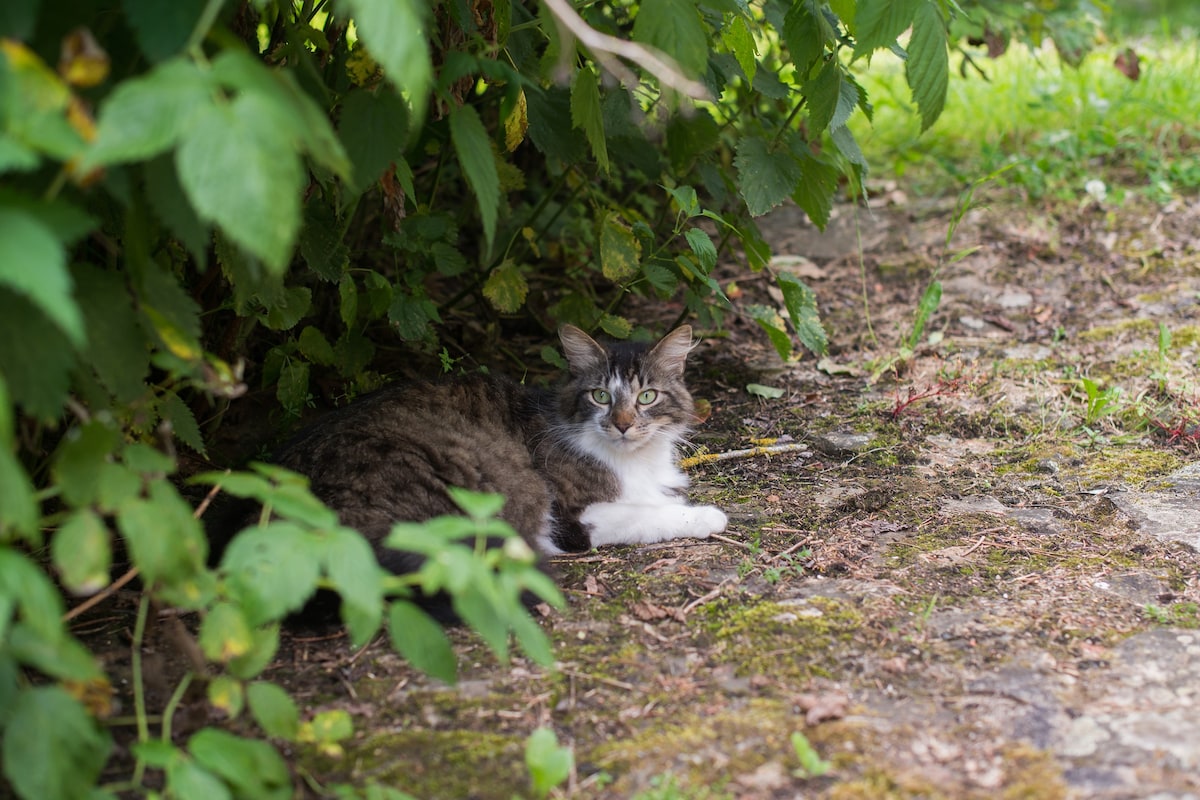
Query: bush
{"x": 199, "y": 195}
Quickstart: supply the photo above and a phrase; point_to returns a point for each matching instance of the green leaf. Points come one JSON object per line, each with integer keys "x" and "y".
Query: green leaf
{"x": 616, "y": 327}
{"x": 675, "y": 27}
{"x": 373, "y": 127}
{"x": 29, "y": 587}
{"x": 765, "y": 392}
{"x": 411, "y": 314}
{"x": 292, "y": 389}
{"x": 252, "y": 767}
{"x": 620, "y": 250}
{"x": 226, "y": 694}
{"x": 165, "y": 540}
{"x": 815, "y": 191}
{"x": 879, "y": 22}
{"x": 702, "y": 245}
{"x": 117, "y": 347}
{"x": 147, "y": 115}
{"x": 264, "y": 644}
{"x": 804, "y": 38}
{"x": 19, "y": 512}
{"x": 82, "y": 551}
{"x": 183, "y": 421}
{"x": 272, "y": 570}
{"x": 321, "y": 240}
{"x": 766, "y": 176}
{"x": 162, "y": 28}
{"x": 33, "y": 264}
{"x": 273, "y": 710}
{"x": 36, "y": 358}
{"x": 315, "y": 347}
{"x": 930, "y": 300}
{"x": 843, "y": 139}
{"x": 801, "y": 304}
{"x": 586, "y": 115}
{"x": 776, "y": 329}
{"x": 63, "y": 658}
{"x": 225, "y": 633}
{"x": 474, "y": 149}
{"x": 421, "y": 640}
{"x": 740, "y": 41}
{"x": 347, "y": 300}
{"x": 241, "y": 172}
{"x": 187, "y": 780}
{"x": 52, "y": 747}
{"x": 395, "y": 32}
{"x": 506, "y": 288}
{"x": 549, "y": 764}
{"x": 288, "y": 308}
{"x": 351, "y": 566}
{"x": 928, "y": 66}
{"x": 80, "y": 459}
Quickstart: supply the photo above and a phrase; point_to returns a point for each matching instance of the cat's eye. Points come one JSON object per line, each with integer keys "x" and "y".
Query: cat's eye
{"x": 647, "y": 397}
{"x": 601, "y": 397}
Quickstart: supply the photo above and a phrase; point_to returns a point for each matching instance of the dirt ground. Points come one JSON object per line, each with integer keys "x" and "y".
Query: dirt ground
{"x": 975, "y": 577}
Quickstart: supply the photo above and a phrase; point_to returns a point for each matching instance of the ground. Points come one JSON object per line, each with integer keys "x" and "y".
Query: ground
{"x": 976, "y": 576}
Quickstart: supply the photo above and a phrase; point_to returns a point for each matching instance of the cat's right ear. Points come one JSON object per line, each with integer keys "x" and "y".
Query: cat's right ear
{"x": 582, "y": 352}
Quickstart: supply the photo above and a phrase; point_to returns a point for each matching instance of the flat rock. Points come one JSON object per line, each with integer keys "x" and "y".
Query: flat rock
{"x": 1169, "y": 514}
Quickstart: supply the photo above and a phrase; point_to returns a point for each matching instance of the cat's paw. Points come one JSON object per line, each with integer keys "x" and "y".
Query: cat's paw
{"x": 709, "y": 520}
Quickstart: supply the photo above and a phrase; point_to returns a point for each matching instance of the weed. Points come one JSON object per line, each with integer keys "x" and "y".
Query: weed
{"x": 940, "y": 389}
{"x": 811, "y": 763}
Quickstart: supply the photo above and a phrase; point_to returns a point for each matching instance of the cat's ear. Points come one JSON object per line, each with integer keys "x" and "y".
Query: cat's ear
{"x": 581, "y": 350}
{"x": 671, "y": 352}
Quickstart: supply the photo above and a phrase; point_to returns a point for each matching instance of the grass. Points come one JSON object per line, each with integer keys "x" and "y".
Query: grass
{"x": 1063, "y": 134}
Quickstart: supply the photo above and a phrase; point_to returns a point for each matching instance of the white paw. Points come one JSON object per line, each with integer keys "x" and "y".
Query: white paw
{"x": 709, "y": 520}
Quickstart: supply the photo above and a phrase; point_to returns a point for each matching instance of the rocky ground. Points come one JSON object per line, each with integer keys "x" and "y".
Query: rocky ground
{"x": 974, "y": 576}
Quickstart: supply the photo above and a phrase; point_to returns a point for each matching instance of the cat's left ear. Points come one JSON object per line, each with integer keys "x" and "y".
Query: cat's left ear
{"x": 582, "y": 352}
{"x": 670, "y": 354}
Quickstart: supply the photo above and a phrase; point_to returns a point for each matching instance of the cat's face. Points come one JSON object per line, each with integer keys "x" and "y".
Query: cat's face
{"x": 625, "y": 395}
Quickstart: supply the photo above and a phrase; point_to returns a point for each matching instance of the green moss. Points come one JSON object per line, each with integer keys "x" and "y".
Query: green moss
{"x": 452, "y": 763}
{"x": 1139, "y": 327}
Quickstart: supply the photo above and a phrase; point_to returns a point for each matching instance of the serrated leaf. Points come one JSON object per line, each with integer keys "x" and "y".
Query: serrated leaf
{"x": 347, "y": 300}
{"x": 474, "y": 149}
{"x": 879, "y": 22}
{"x": 59, "y": 751}
{"x": 373, "y": 127}
{"x": 776, "y": 329}
{"x": 292, "y": 389}
{"x": 675, "y": 27}
{"x": 616, "y": 327}
{"x": 183, "y": 421}
{"x": 187, "y": 780}
{"x": 801, "y": 304}
{"x": 766, "y": 175}
{"x": 288, "y": 307}
{"x": 34, "y": 264}
{"x": 506, "y": 288}
{"x": 421, "y": 640}
{"x": 117, "y": 348}
{"x": 843, "y": 139}
{"x": 815, "y": 191}
{"x": 702, "y": 245}
{"x": 395, "y": 31}
{"x": 321, "y": 244}
{"x": 147, "y": 115}
{"x": 273, "y": 709}
{"x": 661, "y": 278}
{"x": 586, "y": 115}
{"x": 412, "y": 313}
{"x": 80, "y": 458}
{"x": 516, "y": 124}
{"x": 315, "y": 346}
{"x": 740, "y": 41}
{"x": 36, "y": 358}
{"x": 164, "y": 539}
{"x": 82, "y": 552}
{"x": 241, "y": 172}
{"x": 620, "y": 250}
{"x": 803, "y": 36}
{"x": 928, "y": 66}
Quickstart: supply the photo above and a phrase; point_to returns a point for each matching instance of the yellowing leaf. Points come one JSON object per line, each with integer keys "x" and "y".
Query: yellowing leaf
{"x": 506, "y": 288}
{"x": 516, "y": 124}
{"x": 83, "y": 62}
{"x": 620, "y": 250}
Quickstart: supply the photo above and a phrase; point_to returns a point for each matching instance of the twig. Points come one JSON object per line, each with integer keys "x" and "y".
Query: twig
{"x": 101, "y": 596}
{"x": 603, "y": 47}
{"x": 750, "y": 452}
{"x": 584, "y": 676}
{"x": 727, "y": 540}
{"x": 699, "y": 601}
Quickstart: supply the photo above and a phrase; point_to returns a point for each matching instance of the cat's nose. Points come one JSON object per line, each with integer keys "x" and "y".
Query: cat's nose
{"x": 622, "y": 422}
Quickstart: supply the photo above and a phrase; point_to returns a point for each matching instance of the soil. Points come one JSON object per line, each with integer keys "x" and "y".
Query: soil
{"x": 974, "y": 576}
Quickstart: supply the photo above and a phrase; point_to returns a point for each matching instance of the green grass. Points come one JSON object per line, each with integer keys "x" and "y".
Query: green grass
{"x": 1055, "y": 128}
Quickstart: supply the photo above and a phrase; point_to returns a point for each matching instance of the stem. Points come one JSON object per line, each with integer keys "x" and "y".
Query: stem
{"x": 139, "y": 689}
{"x": 203, "y": 24}
{"x": 787, "y": 123}
{"x": 173, "y": 704}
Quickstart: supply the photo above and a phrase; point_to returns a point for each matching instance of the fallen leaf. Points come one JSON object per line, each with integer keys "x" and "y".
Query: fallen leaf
{"x": 820, "y": 707}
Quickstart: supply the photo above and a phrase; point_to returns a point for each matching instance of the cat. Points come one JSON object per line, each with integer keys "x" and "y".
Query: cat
{"x": 589, "y": 464}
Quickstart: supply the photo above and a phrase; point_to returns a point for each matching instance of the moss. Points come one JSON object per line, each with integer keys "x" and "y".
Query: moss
{"x": 1130, "y": 466}
{"x": 452, "y": 763}
{"x": 1138, "y": 327}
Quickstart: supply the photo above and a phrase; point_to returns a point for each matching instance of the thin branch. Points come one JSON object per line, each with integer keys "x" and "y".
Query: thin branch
{"x": 604, "y": 47}
{"x": 729, "y": 455}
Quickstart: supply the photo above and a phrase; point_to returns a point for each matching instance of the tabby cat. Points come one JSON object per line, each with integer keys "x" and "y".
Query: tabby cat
{"x": 592, "y": 463}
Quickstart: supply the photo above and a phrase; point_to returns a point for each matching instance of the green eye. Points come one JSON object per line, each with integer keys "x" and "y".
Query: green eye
{"x": 647, "y": 397}
{"x": 601, "y": 397}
